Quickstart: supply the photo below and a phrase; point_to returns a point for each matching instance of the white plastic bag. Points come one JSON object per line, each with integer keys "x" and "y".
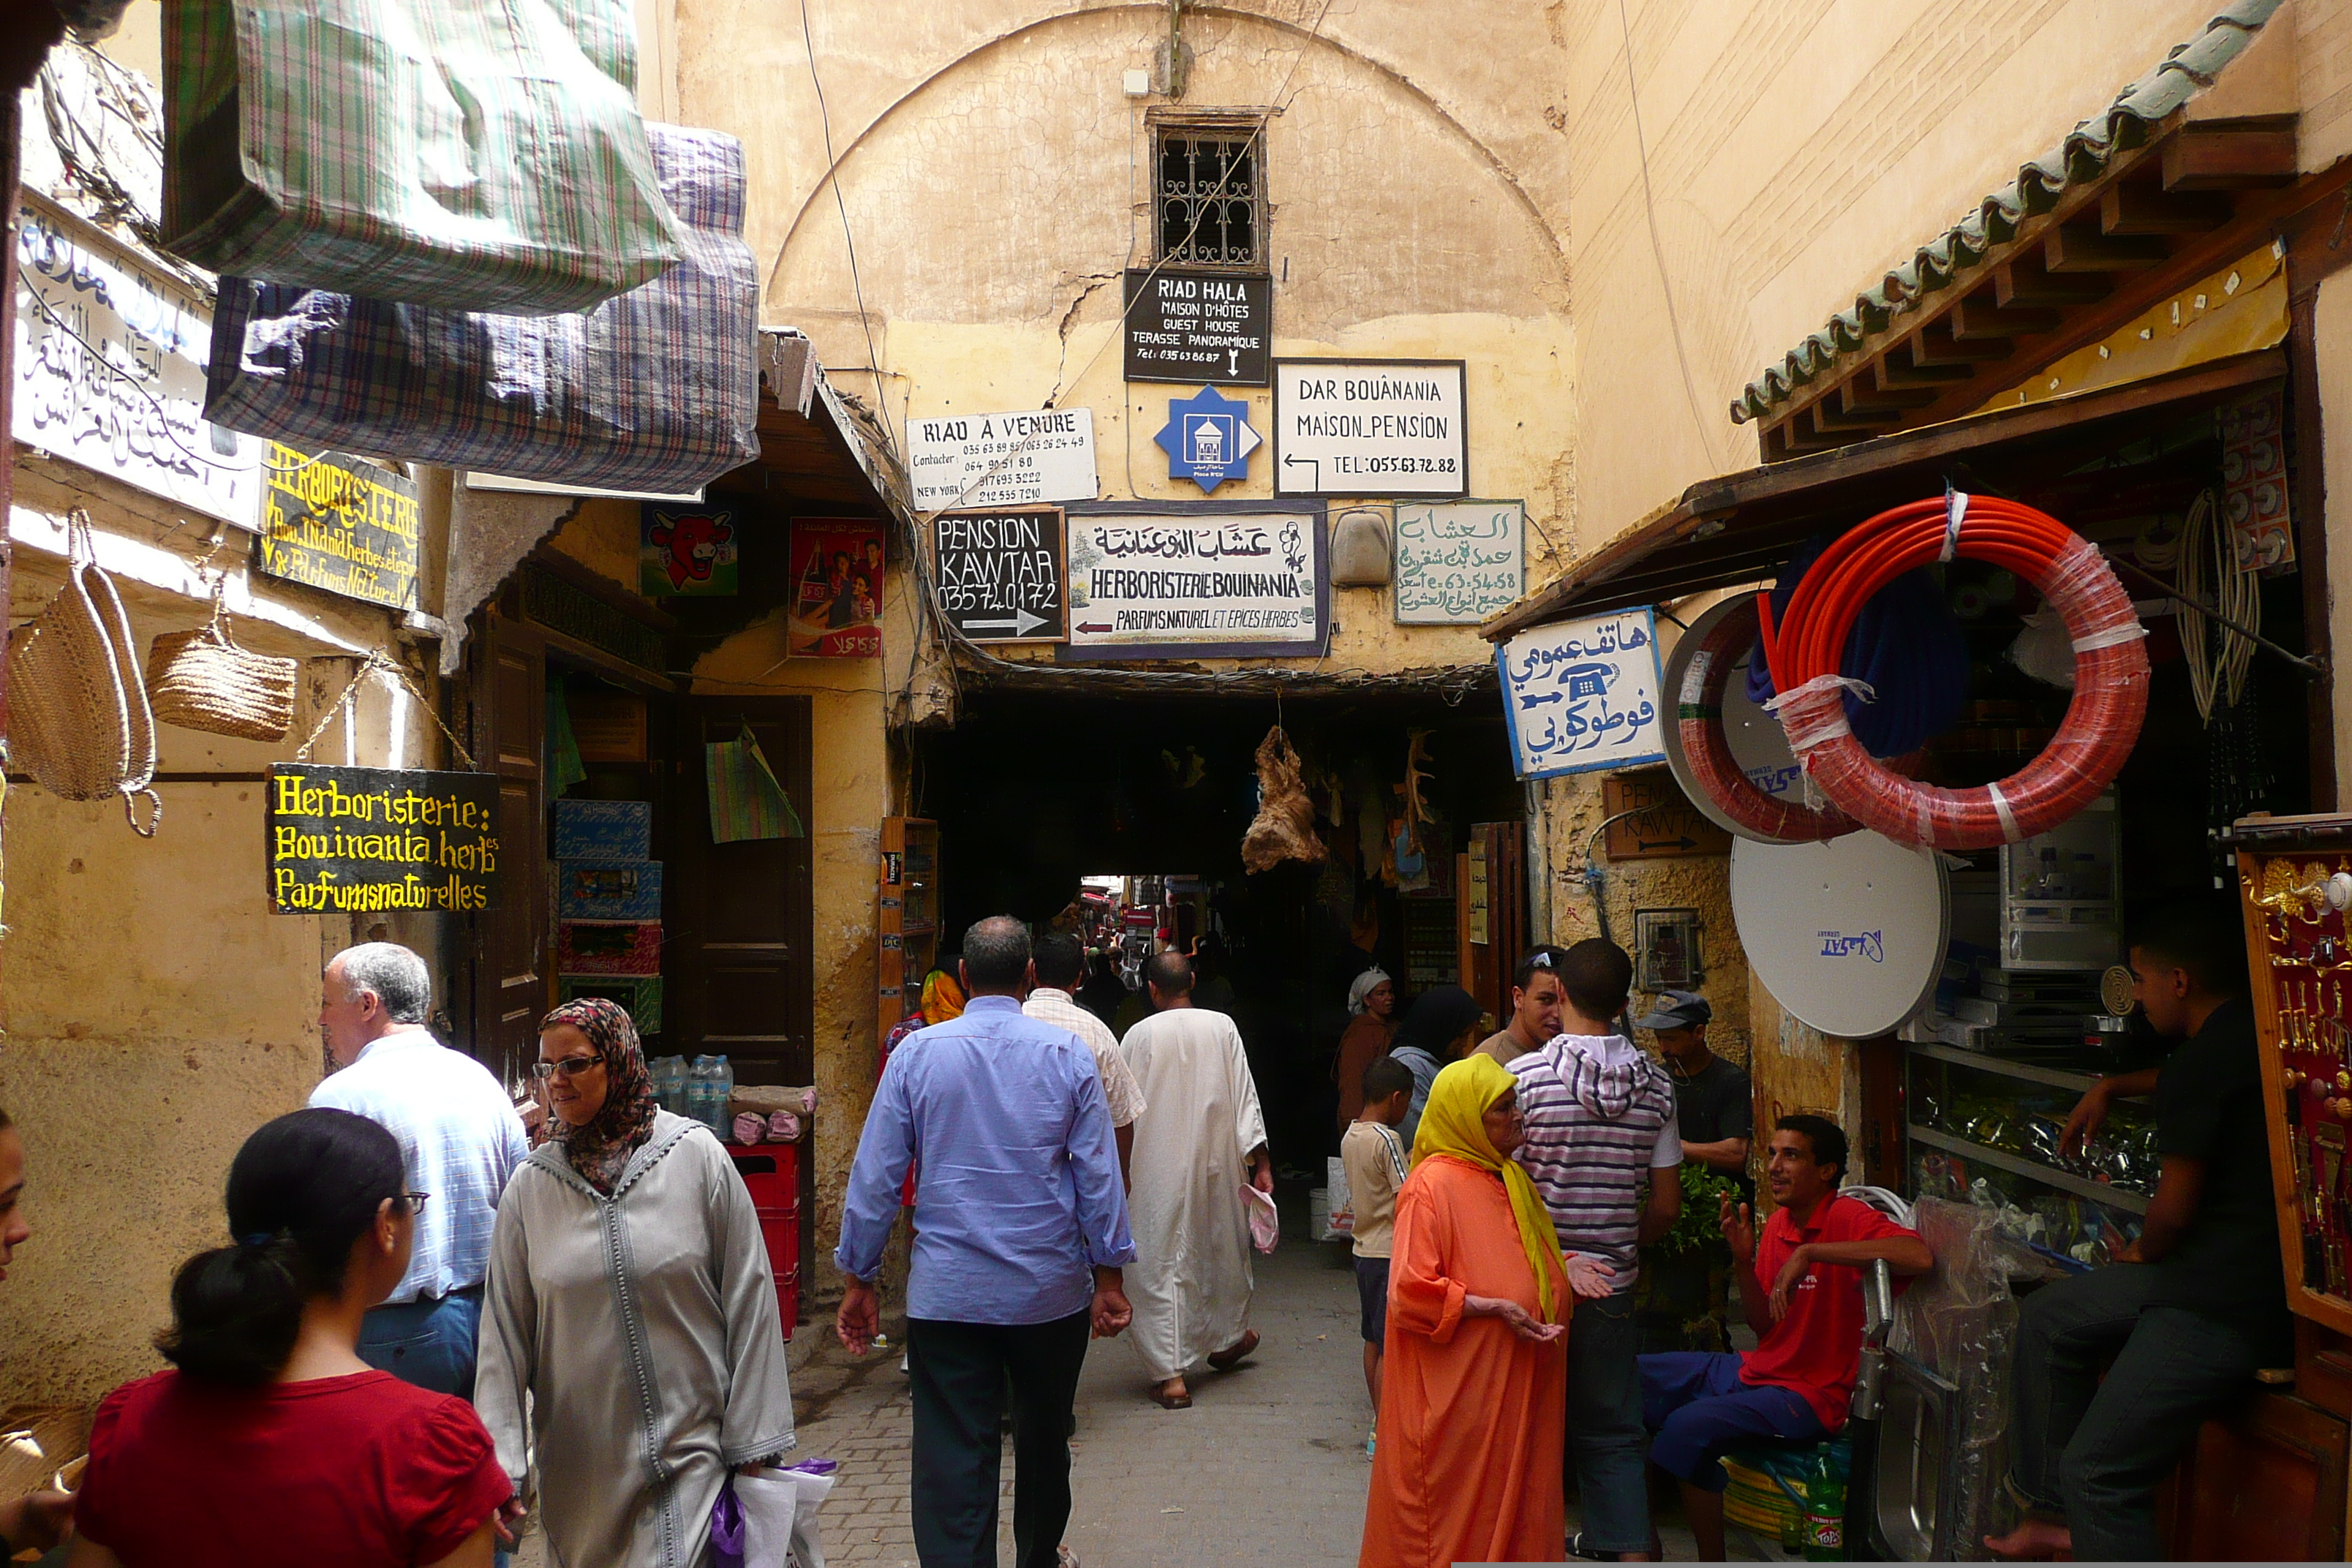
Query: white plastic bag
{"x": 1265, "y": 1226}
{"x": 1341, "y": 1224}
{"x": 770, "y": 1500}
{"x": 808, "y": 1546}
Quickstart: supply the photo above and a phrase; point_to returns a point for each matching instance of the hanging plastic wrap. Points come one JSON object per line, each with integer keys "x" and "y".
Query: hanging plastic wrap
{"x": 1698, "y": 708}
{"x": 2101, "y": 723}
{"x": 1961, "y": 1322}
{"x": 657, "y": 390}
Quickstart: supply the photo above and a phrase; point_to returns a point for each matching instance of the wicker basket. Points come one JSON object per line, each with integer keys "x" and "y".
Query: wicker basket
{"x": 79, "y": 720}
{"x": 201, "y": 679}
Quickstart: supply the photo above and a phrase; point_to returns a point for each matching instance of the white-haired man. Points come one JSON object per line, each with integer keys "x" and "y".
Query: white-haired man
{"x": 459, "y": 1137}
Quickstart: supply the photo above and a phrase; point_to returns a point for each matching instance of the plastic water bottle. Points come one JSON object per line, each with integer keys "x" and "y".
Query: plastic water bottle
{"x": 722, "y": 1091}
{"x": 697, "y": 1092}
{"x": 669, "y": 1083}
{"x": 1825, "y": 1512}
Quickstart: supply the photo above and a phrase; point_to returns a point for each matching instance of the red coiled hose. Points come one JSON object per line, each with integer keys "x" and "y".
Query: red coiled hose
{"x": 2101, "y": 723}
{"x": 1698, "y": 711}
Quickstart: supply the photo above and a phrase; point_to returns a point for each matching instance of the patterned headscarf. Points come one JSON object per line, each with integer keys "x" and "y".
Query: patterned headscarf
{"x": 600, "y": 1151}
{"x": 1453, "y": 1124}
{"x": 943, "y": 997}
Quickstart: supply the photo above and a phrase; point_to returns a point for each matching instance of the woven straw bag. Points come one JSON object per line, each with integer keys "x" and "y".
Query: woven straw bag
{"x": 201, "y": 679}
{"x": 79, "y": 720}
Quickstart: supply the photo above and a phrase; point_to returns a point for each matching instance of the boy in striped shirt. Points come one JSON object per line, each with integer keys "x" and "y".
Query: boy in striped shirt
{"x": 1600, "y": 1122}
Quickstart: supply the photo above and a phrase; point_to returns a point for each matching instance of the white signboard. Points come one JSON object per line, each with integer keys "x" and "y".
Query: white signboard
{"x": 1157, "y": 584}
{"x": 974, "y": 462}
{"x": 1370, "y": 427}
{"x": 1580, "y": 695}
{"x": 1458, "y": 561}
{"x": 110, "y": 372}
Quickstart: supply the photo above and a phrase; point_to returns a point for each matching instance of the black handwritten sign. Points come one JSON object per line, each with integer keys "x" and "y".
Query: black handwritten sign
{"x": 364, "y": 840}
{"x": 1000, "y": 575}
{"x": 339, "y": 524}
{"x": 1205, "y": 328}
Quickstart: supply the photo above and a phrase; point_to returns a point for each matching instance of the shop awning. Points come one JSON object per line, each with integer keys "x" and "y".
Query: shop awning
{"x": 1741, "y": 527}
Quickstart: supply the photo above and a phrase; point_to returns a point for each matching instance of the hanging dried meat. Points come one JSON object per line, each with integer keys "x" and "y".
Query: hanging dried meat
{"x": 1285, "y": 828}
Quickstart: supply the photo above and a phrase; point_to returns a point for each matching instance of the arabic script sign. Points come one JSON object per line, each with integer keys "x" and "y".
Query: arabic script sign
{"x": 1173, "y": 585}
{"x": 1580, "y": 695}
{"x": 110, "y": 372}
{"x": 1458, "y": 561}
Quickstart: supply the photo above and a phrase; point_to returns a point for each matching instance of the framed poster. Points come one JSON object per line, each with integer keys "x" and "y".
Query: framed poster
{"x": 1207, "y": 579}
{"x": 1580, "y": 695}
{"x": 836, "y": 609}
{"x": 1458, "y": 561}
{"x": 687, "y": 552}
{"x": 1370, "y": 427}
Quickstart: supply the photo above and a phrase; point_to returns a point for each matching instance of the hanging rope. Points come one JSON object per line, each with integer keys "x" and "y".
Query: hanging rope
{"x": 380, "y": 663}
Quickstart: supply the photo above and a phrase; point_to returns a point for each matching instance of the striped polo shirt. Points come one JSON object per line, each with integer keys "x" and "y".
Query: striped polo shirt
{"x": 1599, "y": 1118}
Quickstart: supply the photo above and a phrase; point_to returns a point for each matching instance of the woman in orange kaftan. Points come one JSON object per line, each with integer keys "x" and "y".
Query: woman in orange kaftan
{"x": 1473, "y": 1388}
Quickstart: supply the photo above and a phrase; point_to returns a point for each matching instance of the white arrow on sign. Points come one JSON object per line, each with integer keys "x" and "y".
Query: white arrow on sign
{"x": 1021, "y": 623}
{"x": 1233, "y": 361}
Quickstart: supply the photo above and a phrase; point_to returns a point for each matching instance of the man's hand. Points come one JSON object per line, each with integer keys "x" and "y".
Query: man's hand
{"x": 508, "y": 1520}
{"x": 2131, "y": 1254}
{"x": 37, "y": 1519}
{"x": 1739, "y": 1226}
{"x": 1801, "y": 1260}
{"x": 1588, "y": 1278}
{"x": 2090, "y": 1115}
{"x": 860, "y": 1317}
{"x": 1110, "y": 1313}
{"x": 1262, "y": 1171}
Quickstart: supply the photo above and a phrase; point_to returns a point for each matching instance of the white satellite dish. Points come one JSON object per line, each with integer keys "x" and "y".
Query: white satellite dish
{"x": 1848, "y": 934}
{"x": 1757, "y": 742}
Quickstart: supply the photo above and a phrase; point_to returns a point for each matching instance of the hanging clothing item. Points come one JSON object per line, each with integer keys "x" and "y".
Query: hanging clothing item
{"x": 482, "y": 157}
{"x": 1473, "y": 1417}
{"x": 642, "y": 1329}
{"x": 655, "y": 390}
{"x": 1190, "y": 1282}
{"x": 746, "y": 800}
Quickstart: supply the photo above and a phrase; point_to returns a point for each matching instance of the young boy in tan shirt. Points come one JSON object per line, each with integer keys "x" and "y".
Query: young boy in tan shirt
{"x": 1375, "y": 1161}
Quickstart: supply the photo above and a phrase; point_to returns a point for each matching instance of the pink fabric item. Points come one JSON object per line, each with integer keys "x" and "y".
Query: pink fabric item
{"x": 749, "y": 1127}
{"x": 784, "y": 1127}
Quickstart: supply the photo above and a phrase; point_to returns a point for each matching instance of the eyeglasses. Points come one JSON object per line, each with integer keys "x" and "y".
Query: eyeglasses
{"x": 570, "y": 1067}
{"x": 415, "y": 1202}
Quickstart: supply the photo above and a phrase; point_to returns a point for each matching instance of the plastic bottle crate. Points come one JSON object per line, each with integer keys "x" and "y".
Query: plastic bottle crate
{"x": 770, "y": 1173}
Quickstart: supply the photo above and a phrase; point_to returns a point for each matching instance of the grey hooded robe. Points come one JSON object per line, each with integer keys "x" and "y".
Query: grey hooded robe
{"x": 644, "y": 1328}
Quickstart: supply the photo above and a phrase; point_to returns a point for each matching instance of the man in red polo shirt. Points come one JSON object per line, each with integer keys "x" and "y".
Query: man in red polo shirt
{"x": 1801, "y": 1290}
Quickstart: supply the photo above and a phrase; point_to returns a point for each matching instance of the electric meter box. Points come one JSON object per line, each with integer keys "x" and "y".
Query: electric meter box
{"x": 2061, "y": 898}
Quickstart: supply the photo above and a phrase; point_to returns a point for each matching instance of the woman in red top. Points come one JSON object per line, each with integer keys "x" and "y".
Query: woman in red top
{"x": 273, "y": 1443}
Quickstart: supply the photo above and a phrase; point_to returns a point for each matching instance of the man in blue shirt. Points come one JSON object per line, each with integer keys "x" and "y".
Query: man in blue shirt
{"x": 1020, "y": 1233}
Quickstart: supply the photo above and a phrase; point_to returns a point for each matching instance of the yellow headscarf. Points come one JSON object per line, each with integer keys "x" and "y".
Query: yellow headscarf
{"x": 1451, "y": 1123}
{"x": 943, "y": 997}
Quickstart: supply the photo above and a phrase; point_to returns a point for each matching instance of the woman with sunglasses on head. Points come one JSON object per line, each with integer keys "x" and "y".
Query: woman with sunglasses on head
{"x": 629, "y": 1297}
{"x": 272, "y": 1443}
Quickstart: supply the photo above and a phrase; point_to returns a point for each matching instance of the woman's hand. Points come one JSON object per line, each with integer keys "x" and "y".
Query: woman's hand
{"x": 1523, "y": 1322}
{"x": 37, "y": 1519}
{"x": 1588, "y": 1277}
{"x": 1801, "y": 1258}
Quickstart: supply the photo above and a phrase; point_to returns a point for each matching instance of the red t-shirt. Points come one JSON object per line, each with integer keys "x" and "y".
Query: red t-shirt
{"x": 1816, "y": 1350}
{"x": 362, "y": 1471}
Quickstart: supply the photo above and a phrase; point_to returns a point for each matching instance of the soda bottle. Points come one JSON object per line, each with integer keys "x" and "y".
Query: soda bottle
{"x": 1825, "y": 1511}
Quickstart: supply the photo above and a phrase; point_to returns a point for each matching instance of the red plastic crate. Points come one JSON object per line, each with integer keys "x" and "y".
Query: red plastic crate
{"x": 770, "y": 1173}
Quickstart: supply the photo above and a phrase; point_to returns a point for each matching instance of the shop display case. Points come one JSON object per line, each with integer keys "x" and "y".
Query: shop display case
{"x": 2059, "y": 899}
{"x": 909, "y": 916}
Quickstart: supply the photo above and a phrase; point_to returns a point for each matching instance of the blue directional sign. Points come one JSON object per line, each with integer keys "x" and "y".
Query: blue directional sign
{"x": 1208, "y": 440}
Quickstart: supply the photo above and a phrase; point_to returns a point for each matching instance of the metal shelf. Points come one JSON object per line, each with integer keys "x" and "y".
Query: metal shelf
{"x": 1978, "y": 1061}
{"x": 2033, "y": 1169}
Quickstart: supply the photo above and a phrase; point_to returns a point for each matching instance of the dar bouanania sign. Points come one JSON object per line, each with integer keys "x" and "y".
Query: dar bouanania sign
{"x": 1370, "y": 427}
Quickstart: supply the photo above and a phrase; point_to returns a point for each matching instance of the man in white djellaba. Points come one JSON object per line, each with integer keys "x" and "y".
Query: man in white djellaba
{"x": 1202, "y": 1139}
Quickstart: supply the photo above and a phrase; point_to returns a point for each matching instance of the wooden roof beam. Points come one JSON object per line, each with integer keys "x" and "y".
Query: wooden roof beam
{"x": 1940, "y": 342}
{"x": 2026, "y": 282}
{"x": 2130, "y": 208}
{"x": 2079, "y": 248}
{"x": 2232, "y": 154}
{"x": 1904, "y": 365}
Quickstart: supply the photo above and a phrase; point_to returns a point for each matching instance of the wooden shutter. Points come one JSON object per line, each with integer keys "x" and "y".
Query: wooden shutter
{"x": 511, "y": 988}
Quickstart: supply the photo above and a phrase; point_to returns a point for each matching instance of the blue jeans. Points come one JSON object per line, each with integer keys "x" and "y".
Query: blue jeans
{"x": 1604, "y": 1425}
{"x": 428, "y": 1341}
{"x": 1699, "y": 1407}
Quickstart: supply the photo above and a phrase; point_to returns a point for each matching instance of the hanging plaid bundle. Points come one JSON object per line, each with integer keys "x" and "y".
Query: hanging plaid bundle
{"x": 746, "y": 800}
{"x": 657, "y": 390}
{"x": 483, "y": 157}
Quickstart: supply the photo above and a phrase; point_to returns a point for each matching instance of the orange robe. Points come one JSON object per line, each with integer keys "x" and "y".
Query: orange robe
{"x": 1473, "y": 1417}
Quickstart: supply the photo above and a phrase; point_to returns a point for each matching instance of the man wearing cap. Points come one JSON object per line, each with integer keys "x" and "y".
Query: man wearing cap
{"x": 1684, "y": 1298}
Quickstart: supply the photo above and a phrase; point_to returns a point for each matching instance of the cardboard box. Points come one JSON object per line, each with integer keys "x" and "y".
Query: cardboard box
{"x": 639, "y": 994}
{"x": 608, "y": 947}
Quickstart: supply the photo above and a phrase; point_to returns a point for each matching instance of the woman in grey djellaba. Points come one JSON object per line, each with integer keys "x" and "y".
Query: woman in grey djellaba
{"x": 629, "y": 1296}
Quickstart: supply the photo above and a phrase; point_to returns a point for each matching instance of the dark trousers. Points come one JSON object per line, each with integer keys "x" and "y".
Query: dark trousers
{"x": 428, "y": 1341}
{"x": 960, "y": 1371}
{"x": 2098, "y": 1450}
{"x": 1605, "y": 1438}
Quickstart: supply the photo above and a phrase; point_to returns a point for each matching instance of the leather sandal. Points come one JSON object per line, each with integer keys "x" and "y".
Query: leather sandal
{"x": 1235, "y": 1354}
{"x": 1167, "y": 1401}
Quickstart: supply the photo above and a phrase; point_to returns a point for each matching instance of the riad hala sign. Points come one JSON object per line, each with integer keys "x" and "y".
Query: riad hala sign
{"x": 336, "y": 522}
{"x": 364, "y": 840}
{"x": 1579, "y": 695}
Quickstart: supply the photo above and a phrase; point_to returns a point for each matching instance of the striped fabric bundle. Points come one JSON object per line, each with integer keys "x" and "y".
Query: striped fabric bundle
{"x": 483, "y": 157}
{"x": 657, "y": 390}
{"x": 746, "y": 800}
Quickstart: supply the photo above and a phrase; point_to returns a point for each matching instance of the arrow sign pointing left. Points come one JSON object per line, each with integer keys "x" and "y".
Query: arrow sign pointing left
{"x": 1019, "y": 624}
